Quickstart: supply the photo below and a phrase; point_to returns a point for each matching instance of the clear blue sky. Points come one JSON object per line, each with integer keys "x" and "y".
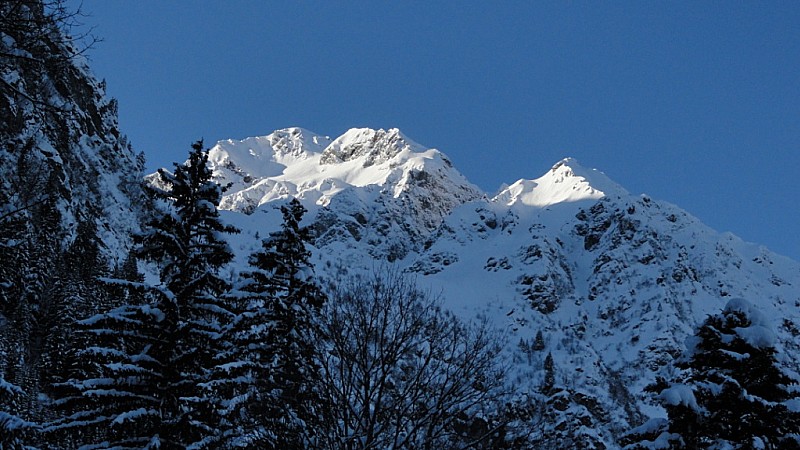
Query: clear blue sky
{"x": 695, "y": 103}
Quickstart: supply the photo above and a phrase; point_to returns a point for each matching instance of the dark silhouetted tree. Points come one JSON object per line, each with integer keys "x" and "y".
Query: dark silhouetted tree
{"x": 731, "y": 394}
{"x": 142, "y": 380}
{"x": 270, "y": 366}
{"x": 399, "y": 372}
{"x": 186, "y": 241}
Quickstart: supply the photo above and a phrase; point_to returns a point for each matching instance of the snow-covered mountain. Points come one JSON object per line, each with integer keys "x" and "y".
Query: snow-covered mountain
{"x": 362, "y": 185}
{"x": 596, "y": 289}
{"x": 613, "y": 282}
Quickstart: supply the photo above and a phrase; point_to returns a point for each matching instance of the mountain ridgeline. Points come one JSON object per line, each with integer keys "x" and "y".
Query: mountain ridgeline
{"x": 298, "y": 291}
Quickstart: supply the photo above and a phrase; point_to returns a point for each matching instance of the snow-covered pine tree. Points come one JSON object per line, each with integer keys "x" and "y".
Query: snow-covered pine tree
{"x": 40, "y": 309}
{"x": 15, "y": 324}
{"x": 114, "y": 398}
{"x": 538, "y": 342}
{"x": 13, "y": 429}
{"x": 549, "y": 375}
{"x": 731, "y": 393}
{"x": 186, "y": 241}
{"x": 109, "y": 395}
{"x": 76, "y": 294}
{"x": 269, "y": 366}
{"x": 141, "y": 380}
{"x": 293, "y": 302}
{"x": 128, "y": 270}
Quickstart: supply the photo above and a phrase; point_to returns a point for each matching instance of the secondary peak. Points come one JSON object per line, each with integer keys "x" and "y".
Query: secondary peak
{"x": 567, "y": 181}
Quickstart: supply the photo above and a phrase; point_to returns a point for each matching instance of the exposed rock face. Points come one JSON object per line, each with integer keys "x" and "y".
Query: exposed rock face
{"x": 59, "y": 132}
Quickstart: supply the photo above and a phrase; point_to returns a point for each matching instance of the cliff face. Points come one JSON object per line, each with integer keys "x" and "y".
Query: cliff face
{"x": 61, "y": 143}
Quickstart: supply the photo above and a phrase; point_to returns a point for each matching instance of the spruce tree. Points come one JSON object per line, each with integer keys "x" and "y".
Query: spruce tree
{"x": 186, "y": 241}
{"x": 538, "y": 342}
{"x": 108, "y": 394}
{"x": 141, "y": 381}
{"x": 731, "y": 393}
{"x": 16, "y": 320}
{"x": 13, "y": 312}
{"x": 76, "y": 293}
{"x": 269, "y": 365}
{"x": 549, "y": 375}
{"x": 14, "y": 430}
{"x": 114, "y": 398}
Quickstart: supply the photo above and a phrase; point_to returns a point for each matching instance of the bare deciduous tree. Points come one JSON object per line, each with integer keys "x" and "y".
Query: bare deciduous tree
{"x": 400, "y": 372}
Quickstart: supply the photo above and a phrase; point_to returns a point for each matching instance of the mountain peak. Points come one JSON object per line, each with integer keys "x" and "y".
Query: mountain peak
{"x": 299, "y": 163}
{"x": 566, "y": 182}
{"x": 374, "y": 146}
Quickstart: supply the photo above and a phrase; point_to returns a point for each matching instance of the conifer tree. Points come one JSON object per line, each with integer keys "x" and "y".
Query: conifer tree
{"x": 538, "y": 342}
{"x": 269, "y": 366}
{"x": 142, "y": 379}
{"x": 18, "y": 279}
{"x": 108, "y": 391}
{"x": 549, "y": 374}
{"x": 13, "y": 429}
{"x": 40, "y": 308}
{"x": 293, "y": 301}
{"x": 186, "y": 242}
{"x": 731, "y": 393}
{"x": 114, "y": 397}
{"x": 76, "y": 294}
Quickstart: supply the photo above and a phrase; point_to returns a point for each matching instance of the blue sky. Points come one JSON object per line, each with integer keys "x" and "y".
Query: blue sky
{"x": 695, "y": 103}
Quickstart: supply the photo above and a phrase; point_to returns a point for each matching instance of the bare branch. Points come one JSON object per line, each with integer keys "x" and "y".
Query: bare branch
{"x": 24, "y": 208}
{"x": 400, "y": 372}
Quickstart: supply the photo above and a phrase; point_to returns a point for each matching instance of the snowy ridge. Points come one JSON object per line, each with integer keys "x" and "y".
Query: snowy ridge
{"x": 298, "y": 163}
{"x": 361, "y": 184}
